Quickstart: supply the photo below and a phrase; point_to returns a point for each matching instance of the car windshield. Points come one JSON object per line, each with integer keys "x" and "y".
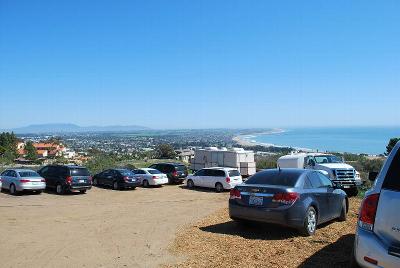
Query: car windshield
{"x": 233, "y": 173}
{"x": 325, "y": 159}
{"x": 274, "y": 177}
{"x": 79, "y": 172}
{"x": 26, "y": 174}
{"x": 154, "y": 171}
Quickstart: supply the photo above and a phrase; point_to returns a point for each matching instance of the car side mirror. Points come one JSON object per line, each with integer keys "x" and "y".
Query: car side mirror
{"x": 372, "y": 176}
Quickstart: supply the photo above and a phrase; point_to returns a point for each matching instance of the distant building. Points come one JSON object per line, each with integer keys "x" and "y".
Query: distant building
{"x": 44, "y": 150}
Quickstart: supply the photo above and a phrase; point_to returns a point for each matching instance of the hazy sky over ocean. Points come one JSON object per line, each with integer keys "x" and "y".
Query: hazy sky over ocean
{"x": 194, "y": 64}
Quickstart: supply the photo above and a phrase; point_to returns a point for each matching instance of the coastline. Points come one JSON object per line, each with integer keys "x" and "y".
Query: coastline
{"x": 244, "y": 140}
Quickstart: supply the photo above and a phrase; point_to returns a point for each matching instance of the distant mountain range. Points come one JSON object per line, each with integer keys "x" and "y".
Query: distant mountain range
{"x": 70, "y": 128}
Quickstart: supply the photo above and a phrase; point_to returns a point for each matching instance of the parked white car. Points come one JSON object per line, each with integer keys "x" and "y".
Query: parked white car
{"x": 150, "y": 176}
{"x": 18, "y": 180}
{"x": 219, "y": 178}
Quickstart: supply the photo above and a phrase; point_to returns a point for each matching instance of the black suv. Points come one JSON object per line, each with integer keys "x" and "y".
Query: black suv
{"x": 66, "y": 178}
{"x": 175, "y": 172}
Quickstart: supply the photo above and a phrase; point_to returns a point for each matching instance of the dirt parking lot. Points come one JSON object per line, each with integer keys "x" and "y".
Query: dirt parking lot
{"x": 103, "y": 228}
{"x": 216, "y": 241}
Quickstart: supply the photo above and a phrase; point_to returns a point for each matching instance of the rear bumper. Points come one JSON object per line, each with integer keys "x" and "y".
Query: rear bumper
{"x": 285, "y": 217}
{"x": 178, "y": 179}
{"x": 158, "y": 181}
{"x": 368, "y": 244}
{"x": 79, "y": 187}
{"x": 31, "y": 187}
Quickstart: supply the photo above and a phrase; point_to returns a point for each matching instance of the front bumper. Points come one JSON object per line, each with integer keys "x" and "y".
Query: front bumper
{"x": 347, "y": 184}
{"x": 285, "y": 217}
{"x": 367, "y": 244}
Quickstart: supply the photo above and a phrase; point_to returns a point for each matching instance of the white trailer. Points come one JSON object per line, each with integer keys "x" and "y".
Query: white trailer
{"x": 236, "y": 158}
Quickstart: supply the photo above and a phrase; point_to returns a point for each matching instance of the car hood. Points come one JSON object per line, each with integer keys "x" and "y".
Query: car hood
{"x": 336, "y": 166}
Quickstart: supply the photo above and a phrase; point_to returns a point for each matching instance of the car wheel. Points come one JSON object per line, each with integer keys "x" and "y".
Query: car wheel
{"x": 218, "y": 187}
{"x": 38, "y": 192}
{"x": 82, "y": 191}
{"x": 310, "y": 222}
{"x": 343, "y": 212}
{"x": 146, "y": 183}
{"x": 13, "y": 190}
{"x": 115, "y": 185}
{"x": 95, "y": 183}
{"x": 59, "y": 189}
{"x": 190, "y": 184}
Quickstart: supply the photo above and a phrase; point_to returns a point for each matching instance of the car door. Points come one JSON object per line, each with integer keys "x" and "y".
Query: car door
{"x": 13, "y": 177}
{"x": 51, "y": 176}
{"x": 108, "y": 177}
{"x": 320, "y": 194}
{"x": 207, "y": 178}
{"x": 334, "y": 197}
{"x": 197, "y": 178}
{"x": 218, "y": 176}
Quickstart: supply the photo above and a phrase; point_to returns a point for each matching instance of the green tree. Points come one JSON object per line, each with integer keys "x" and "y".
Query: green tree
{"x": 391, "y": 145}
{"x": 30, "y": 151}
{"x": 8, "y": 147}
{"x": 101, "y": 162}
{"x": 165, "y": 151}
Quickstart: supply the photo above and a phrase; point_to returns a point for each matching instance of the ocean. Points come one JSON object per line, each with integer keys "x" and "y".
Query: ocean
{"x": 368, "y": 140}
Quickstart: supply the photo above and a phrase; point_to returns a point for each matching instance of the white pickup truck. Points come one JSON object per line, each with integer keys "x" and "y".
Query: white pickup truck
{"x": 332, "y": 165}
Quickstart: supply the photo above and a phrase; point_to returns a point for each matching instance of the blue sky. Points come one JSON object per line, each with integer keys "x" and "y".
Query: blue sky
{"x": 200, "y": 64}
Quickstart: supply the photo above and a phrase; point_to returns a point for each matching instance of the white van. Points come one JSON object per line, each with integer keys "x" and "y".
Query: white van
{"x": 219, "y": 178}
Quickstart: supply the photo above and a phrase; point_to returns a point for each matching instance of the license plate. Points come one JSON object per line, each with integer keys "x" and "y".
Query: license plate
{"x": 81, "y": 181}
{"x": 256, "y": 200}
{"x": 346, "y": 186}
{"x": 35, "y": 183}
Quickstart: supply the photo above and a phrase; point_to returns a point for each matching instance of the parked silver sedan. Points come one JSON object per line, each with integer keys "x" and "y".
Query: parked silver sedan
{"x": 19, "y": 180}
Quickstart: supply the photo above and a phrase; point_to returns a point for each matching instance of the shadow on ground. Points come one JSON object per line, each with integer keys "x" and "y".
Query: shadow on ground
{"x": 199, "y": 189}
{"x": 251, "y": 230}
{"x": 337, "y": 254}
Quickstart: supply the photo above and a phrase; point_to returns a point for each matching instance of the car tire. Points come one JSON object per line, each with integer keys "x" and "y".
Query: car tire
{"x": 343, "y": 211}
{"x": 133, "y": 188}
{"x": 13, "y": 189}
{"x": 219, "y": 187}
{"x": 116, "y": 185}
{"x": 59, "y": 189}
{"x": 38, "y": 192}
{"x": 146, "y": 183}
{"x": 95, "y": 182}
{"x": 310, "y": 222}
{"x": 190, "y": 184}
{"x": 82, "y": 191}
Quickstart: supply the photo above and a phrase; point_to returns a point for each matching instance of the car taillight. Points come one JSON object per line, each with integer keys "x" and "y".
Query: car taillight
{"x": 285, "y": 198}
{"x": 24, "y": 181}
{"x": 155, "y": 177}
{"x": 174, "y": 173}
{"x": 126, "y": 178}
{"x": 366, "y": 219}
{"x": 235, "y": 194}
{"x": 68, "y": 180}
{"x": 43, "y": 180}
{"x": 228, "y": 180}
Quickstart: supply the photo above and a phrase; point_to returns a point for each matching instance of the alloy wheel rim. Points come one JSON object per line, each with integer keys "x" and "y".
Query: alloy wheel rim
{"x": 12, "y": 189}
{"x": 311, "y": 221}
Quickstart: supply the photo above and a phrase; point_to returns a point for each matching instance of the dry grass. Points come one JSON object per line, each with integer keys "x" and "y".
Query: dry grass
{"x": 216, "y": 241}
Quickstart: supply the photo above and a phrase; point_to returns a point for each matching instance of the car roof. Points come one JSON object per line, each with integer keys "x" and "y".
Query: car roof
{"x": 20, "y": 169}
{"x": 170, "y": 163}
{"x": 293, "y": 171}
{"x": 147, "y": 168}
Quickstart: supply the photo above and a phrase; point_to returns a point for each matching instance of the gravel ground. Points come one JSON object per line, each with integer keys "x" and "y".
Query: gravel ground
{"x": 216, "y": 241}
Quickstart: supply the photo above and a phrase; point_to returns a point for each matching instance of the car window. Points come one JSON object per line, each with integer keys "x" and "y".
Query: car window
{"x": 79, "y": 172}
{"x": 307, "y": 183}
{"x": 13, "y": 173}
{"x": 326, "y": 182}
{"x": 208, "y": 172}
{"x": 233, "y": 173}
{"x": 201, "y": 172}
{"x": 4, "y": 173}
{"x": 180, "y": 168}
{"x": 392, "y": 178}
{"x": 219, "y": 173}
{"x": 28, "y": 173}
{"x": 274, "y": 177}
{"x": 315, "y": 180}
{"x": 154, "y": 171}
{"x": 44, "y": 171}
